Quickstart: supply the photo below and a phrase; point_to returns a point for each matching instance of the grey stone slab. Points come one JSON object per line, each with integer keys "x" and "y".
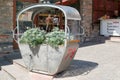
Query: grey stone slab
{"x": 20, "y": 63}
{"x": 5, "y": 76}
{"x": 67, "y": 78}
{"x": 95, "y": 62}
{"x": 16, "y": 72}
{"x": 13, "y": 72}
{"x": 0, "y": 75}
{"x": 3, "y": 62}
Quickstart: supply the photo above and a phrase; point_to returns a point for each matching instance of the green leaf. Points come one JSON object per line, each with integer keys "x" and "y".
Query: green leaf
{"x": 55, "y": 38}
{"x": 33, "y": 37}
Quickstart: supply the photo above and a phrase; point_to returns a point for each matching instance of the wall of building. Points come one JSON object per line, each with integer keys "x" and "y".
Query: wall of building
{"x": 86, "y": 10}
{"x": 6, "y": 19}
{"x": 6, "y": 25}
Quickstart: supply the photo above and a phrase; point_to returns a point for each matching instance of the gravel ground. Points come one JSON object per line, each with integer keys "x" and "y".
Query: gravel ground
{"x": 94, "y": 62}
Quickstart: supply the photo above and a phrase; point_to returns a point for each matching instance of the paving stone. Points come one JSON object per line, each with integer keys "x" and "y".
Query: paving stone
{"x": 16, "y": 72}
{"x": 67, "y": 78}
{"x": 19, "y": 62}
{"x": 1, "y": 74}
{"x": 21, "y": 74}
{"x": 35, "y": 76}
{"x": 115, "y": 39}
{"x": 3, "y": 62}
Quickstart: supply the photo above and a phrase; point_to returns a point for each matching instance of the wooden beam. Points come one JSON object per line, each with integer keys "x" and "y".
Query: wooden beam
{"x": 15, "y": 45}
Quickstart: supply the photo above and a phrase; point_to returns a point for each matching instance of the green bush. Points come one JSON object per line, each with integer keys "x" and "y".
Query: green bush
{"x": 33, "y": 37}
{"x": 55, "y": 38}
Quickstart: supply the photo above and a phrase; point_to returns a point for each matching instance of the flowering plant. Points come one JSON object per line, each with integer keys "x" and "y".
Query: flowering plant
{"x": 35, "y": 37}
{"x": 55, "y": 38}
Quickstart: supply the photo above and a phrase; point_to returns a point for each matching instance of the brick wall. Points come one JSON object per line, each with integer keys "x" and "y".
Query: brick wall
{"x": 86, "y": 13}
{"x": 6, "y": 19}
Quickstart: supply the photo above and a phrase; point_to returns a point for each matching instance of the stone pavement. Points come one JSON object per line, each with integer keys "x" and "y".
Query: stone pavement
{"x": 93, "y": 61}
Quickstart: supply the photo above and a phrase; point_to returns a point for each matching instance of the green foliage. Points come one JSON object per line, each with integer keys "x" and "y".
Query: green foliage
{"x": 55, "y": 38}
{"x": 33, "y": 37}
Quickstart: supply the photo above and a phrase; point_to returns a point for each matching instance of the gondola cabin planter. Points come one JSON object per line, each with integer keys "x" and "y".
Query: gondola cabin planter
{"x": 40, "y": 51}
{"x": 53, "y": 51}
{"x": 42, "y": 59}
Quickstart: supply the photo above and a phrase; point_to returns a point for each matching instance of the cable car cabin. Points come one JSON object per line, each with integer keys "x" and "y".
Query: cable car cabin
{"x": 45, "y": 58}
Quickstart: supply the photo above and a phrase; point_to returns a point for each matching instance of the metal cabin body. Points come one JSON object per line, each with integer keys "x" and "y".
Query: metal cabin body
{"x": 44, "y": 58}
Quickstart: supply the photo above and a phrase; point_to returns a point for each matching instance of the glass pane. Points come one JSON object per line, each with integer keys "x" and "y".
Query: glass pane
{"x": 45, "y": 18}
{"x": 25, "y": 19}
{"x": 74, "y": 27}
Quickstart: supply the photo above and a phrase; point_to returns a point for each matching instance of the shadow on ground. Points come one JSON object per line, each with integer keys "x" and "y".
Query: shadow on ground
{"x": 78, "y": 67}
{"x": 94, "y": 41}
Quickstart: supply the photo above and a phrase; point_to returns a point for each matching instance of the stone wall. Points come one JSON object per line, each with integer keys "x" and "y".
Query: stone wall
{"x": 86, "y": 13}
{"x": 6, "y": 25}
{"x": 6, "y": 19}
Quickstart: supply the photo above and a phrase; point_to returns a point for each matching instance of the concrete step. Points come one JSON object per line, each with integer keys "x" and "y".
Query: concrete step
{"x": 5, "y": 76}
{"x": 17, "y": 70}
{"x": 13, "y": 72}
{"x": 1, "y": 74}
{"x": 8, "y": 58}
{"x": 3, "y": 62}
{"x": 115, "y": 39}
{"x": 20, "y": 63}
{"x": 34, "y": 76}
